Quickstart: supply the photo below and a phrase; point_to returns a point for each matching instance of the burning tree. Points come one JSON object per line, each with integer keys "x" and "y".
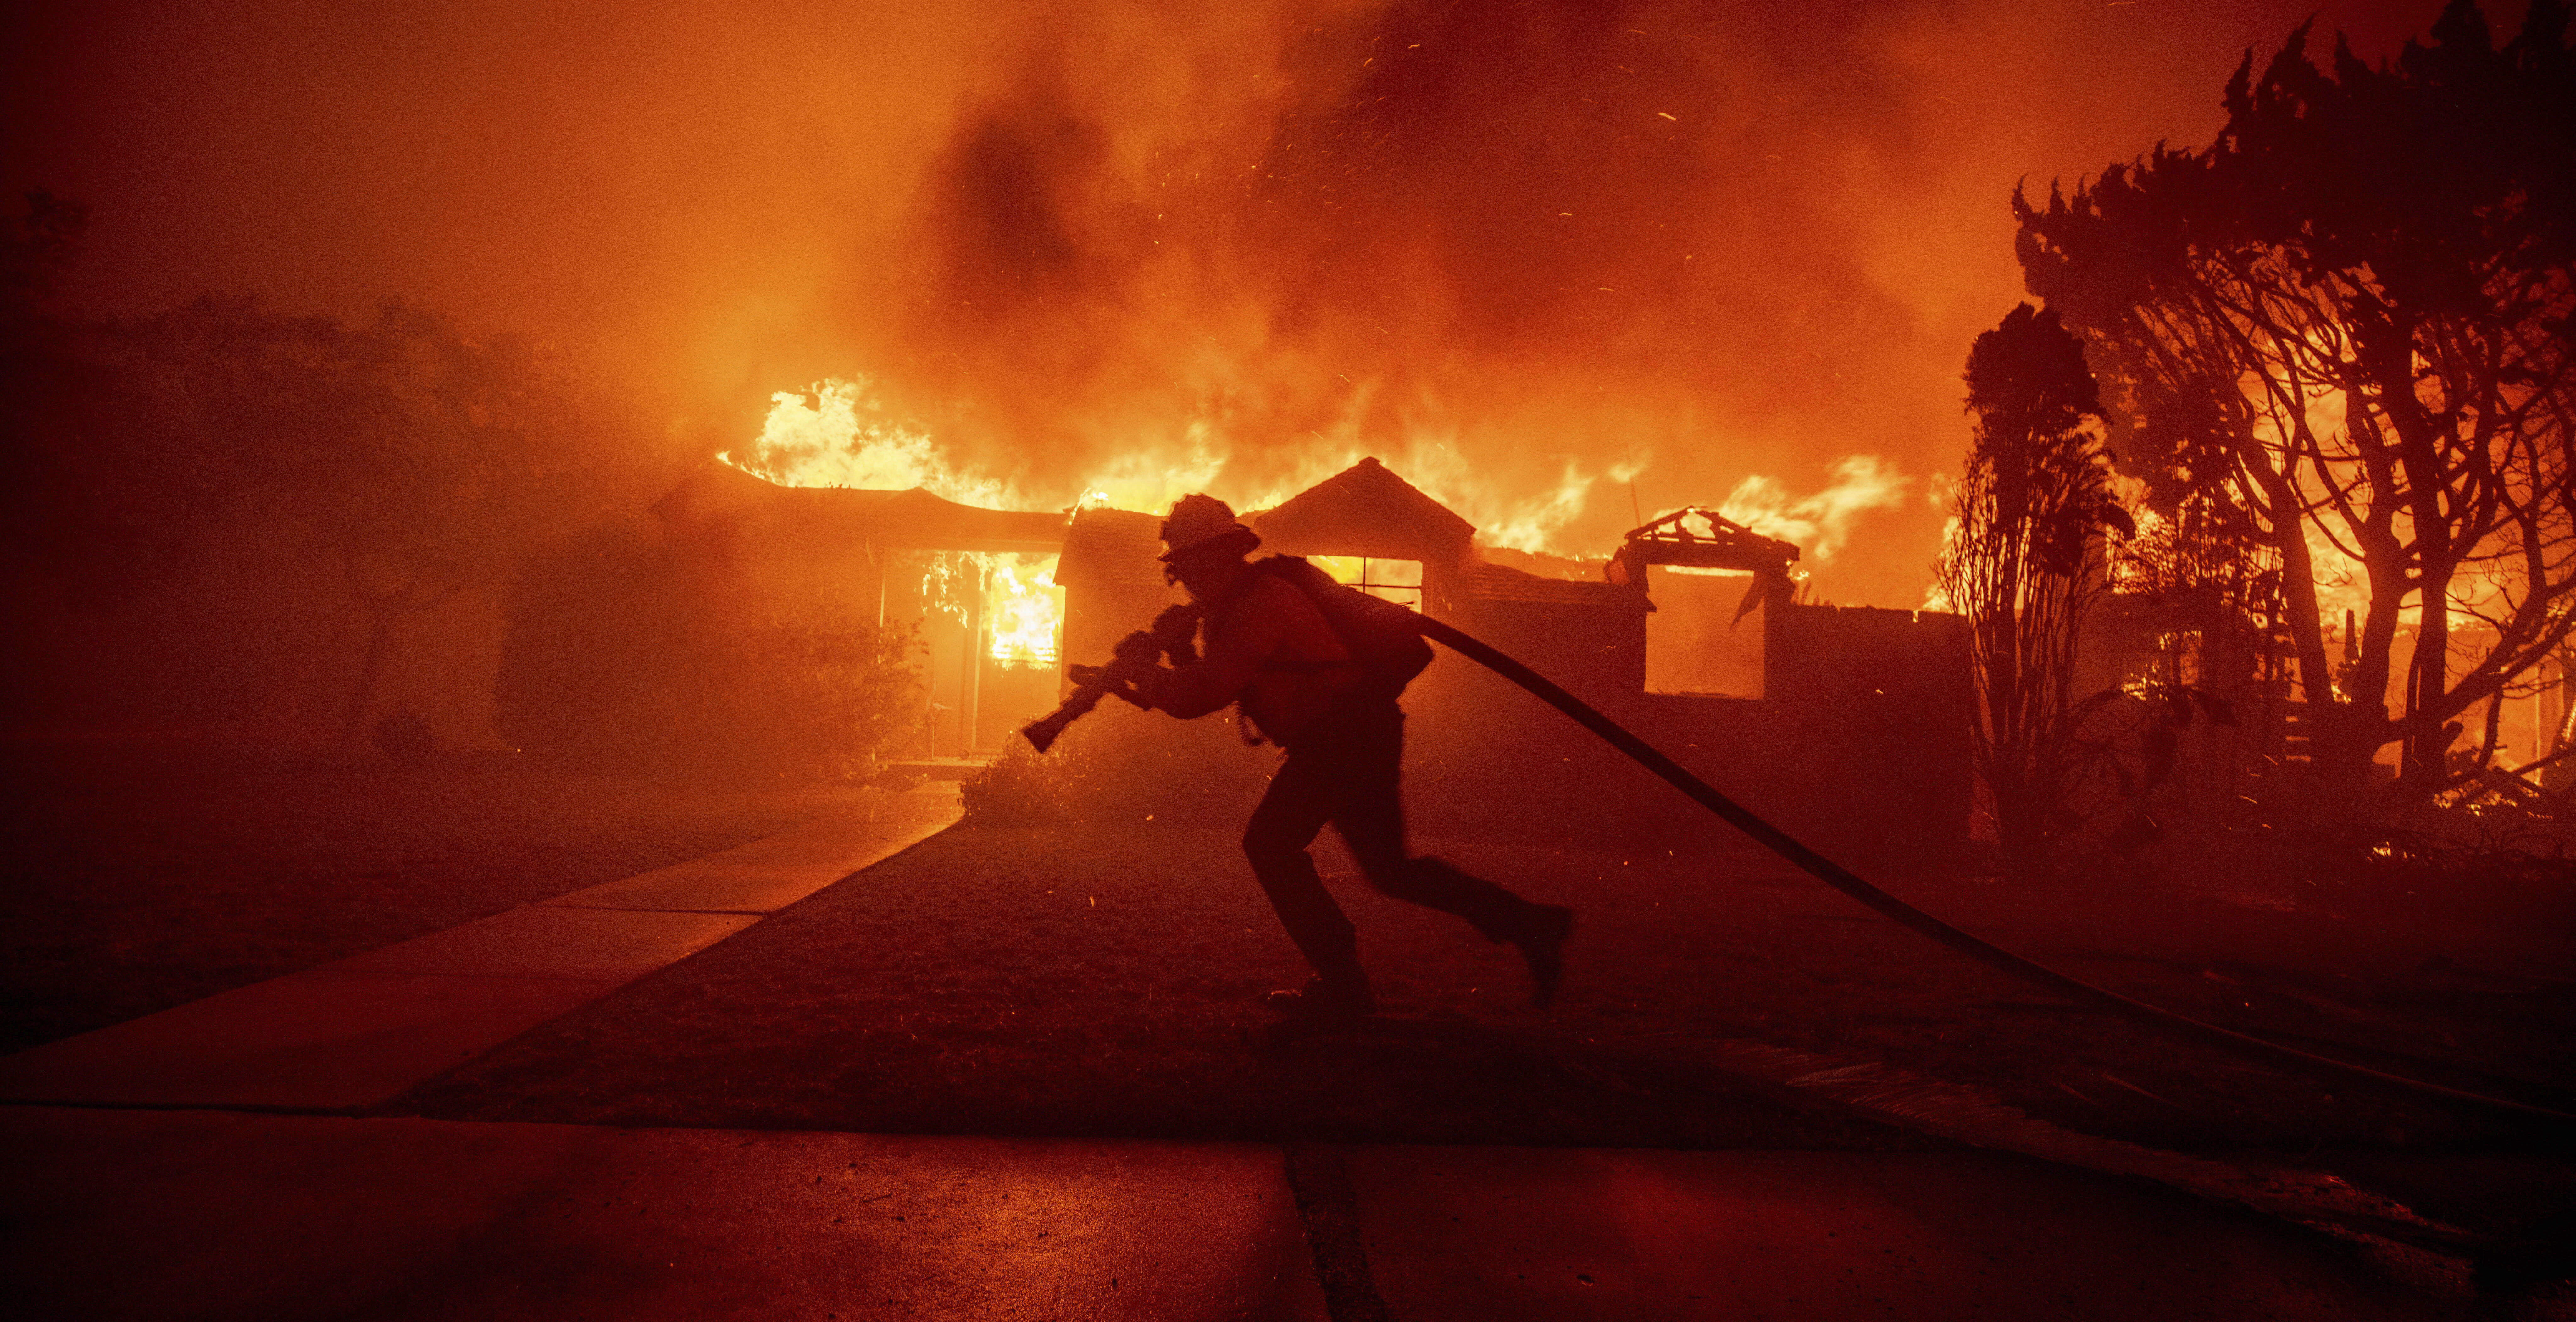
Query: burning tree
{"x": 2025, "y": 564}
{"x": 2350, "y": 316}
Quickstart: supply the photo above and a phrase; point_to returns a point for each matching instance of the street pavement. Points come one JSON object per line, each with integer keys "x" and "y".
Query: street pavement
{"x": 224, "y": 1215}
{"x": 211, "y": 1162}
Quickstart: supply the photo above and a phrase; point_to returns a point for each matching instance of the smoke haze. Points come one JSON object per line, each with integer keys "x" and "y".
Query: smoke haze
{"x": 1521, "y": 251}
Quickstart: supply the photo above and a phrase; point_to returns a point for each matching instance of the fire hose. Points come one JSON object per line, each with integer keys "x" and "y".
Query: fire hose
{"x": 1043, "y": 733}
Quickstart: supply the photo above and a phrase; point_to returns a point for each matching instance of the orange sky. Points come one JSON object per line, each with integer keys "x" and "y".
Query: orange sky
{"x": 1494, "y": 242}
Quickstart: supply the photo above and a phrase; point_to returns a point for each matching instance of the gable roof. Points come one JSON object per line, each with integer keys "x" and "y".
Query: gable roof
{"x": 1671, "y": 540}
{"x": 1365, "y": 510}
{"x": 1111, "y": 548}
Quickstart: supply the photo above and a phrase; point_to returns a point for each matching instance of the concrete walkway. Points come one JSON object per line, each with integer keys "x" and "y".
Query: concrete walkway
{"x": 358, "y": 1032}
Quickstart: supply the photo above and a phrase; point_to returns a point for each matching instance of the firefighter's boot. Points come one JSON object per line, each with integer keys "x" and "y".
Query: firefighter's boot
{"x": 1544, "y": 929}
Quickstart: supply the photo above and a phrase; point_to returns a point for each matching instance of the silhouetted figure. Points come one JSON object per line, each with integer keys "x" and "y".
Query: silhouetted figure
{"x": 1271, "y": 650}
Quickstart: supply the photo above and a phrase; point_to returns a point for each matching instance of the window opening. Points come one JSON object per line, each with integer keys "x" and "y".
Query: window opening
{"x": 1398, "y": 581}
{"x": 1690, "y": 646}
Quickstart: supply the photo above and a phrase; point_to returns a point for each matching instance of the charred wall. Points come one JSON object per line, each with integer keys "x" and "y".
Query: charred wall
{"x": 1861, "y": 744}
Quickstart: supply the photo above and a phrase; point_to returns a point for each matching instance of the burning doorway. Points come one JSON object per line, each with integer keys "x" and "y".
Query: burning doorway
{"x": 1709, "y": 583}
{"x": 996, "y": 647}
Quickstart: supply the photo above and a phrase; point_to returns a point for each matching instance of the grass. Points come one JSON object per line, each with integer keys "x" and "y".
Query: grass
{"x": 140, "y": 874}
{"x": 1082, "y": 982}
{"x": 1104, "y": 981}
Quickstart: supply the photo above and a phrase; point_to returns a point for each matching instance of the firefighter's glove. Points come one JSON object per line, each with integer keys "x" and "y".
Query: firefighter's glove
{"x": 1111, "y": 679}
{"x": 1174, "y": 629}
{"x": 1136, "y": 653}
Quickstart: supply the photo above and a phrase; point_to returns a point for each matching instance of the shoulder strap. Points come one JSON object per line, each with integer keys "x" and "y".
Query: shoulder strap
{"x": 1300, "y": 575}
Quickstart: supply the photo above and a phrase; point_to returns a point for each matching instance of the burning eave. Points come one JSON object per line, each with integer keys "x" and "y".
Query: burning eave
{"x": 910, "y": 519}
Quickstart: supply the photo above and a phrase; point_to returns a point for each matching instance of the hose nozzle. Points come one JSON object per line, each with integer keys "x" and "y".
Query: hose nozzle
{"x": 1043, "y": 732}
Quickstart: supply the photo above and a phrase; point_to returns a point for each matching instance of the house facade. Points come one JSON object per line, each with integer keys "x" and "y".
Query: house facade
{"x": 1847, "y": 725}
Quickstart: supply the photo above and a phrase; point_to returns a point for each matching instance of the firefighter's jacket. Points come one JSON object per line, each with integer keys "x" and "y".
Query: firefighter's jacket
{"x": 1267, "y": 647}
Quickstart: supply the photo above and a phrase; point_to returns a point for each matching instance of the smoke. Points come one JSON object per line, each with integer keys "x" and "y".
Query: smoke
{"x": 1507, "y": 248}
{"x": 1536, "y": 257}
{"x": 1526, "y": 253}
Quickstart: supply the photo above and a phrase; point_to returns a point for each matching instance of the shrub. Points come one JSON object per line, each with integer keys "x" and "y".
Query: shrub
{"x": 1024, "y": 787}
{"x": 622, "y": 653}
{"x": 404, "y": 735}
{"x": 1141, "y": 766}
{"x": 810, "y": 694}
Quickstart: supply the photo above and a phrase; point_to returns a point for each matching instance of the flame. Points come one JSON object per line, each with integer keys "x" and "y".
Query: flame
{"x": 1534, "y": 523}
{"x": 1399, "y": 581}
{"x": 1151, "y": 479}
{"x": 1023, "y": 610}
{"x": 839, "y": 433}
{"x": 1819, "y": 524}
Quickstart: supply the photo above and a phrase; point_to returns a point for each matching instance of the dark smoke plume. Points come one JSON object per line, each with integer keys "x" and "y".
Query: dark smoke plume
{"x": 1499, "y": 244}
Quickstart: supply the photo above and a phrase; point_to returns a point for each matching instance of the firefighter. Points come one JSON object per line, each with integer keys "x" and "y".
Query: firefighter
{"x": 1270, "y": 650}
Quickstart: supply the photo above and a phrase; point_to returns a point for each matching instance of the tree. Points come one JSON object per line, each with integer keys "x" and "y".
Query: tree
{"x": 422, "y": 461}
{"x": 36, "y": 250}
{"x": 2024, "y": 563}
{"x": 2350, "y": 314}
{"x": 98, "y": 500}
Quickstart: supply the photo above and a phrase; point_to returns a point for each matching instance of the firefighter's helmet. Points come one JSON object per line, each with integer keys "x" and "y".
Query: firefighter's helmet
{"x": 1204, "y": 522}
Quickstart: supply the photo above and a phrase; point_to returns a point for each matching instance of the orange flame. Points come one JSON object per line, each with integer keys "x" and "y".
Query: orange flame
{"x": 1819, "y": 524}
{"x": 839, "y": 434}
{"x": 1023, "y": 610}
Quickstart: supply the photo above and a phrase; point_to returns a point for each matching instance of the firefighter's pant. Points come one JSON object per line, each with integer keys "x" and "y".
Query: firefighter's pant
{"x": 1348, "y": 770}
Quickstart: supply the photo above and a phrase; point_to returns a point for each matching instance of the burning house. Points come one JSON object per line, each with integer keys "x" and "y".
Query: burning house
{"x": 1846, "y": 724}
{"x": 976, "y": 580}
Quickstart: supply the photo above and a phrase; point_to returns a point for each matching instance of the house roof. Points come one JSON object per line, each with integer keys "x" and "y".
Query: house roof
{"x": 1726, "y": 544}
{"x": 1365, "y": 510}
{"x": 920, "y": 519}
{"x": 1502, "y": 583}
{"x": 911, "y": 518}
{"x": 1112, "y": 548}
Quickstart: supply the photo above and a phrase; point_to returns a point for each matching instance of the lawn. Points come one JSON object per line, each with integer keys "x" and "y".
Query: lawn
{"x": 1105, "y": 981}
{"x": 145, "y": 873}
